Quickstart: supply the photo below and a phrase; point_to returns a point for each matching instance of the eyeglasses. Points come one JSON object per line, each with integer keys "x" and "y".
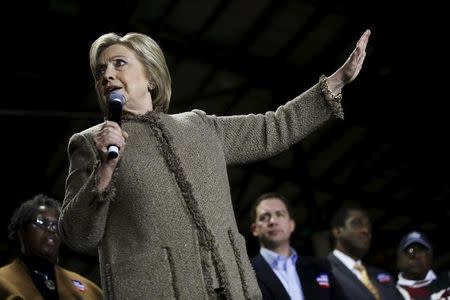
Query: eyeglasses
{"x": 45, "y": 223}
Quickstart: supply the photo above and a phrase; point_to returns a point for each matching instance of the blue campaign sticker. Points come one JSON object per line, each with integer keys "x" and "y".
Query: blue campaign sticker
{"x": 79, "y": 285}
{"x": 323, "y": 281}
{"x": 384, "y": 278}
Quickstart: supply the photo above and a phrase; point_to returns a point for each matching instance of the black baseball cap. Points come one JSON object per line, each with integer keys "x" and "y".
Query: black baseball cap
{"x": 414, "y": 237}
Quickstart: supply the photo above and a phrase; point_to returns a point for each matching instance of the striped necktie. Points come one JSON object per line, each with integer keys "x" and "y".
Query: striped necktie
{"x": 366, "y": 281}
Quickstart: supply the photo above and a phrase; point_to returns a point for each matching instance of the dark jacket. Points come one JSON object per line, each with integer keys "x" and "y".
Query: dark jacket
{"x": 355, "y": 289}
{"x": 309, "y": 270}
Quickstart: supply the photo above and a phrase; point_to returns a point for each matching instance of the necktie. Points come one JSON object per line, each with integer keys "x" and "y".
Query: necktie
{"x": 367, "y": 282}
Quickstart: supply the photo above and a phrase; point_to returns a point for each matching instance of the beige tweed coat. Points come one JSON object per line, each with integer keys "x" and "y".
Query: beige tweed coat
{"x": 165, "y": 227}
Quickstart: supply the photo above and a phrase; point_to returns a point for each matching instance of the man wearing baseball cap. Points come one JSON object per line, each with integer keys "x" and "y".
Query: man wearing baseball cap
{"x": 417, "y": 280}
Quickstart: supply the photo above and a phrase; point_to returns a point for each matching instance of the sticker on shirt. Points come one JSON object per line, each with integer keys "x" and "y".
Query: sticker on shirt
{"x": 322, "y": 280}
{"x": 384, "y": 278}
{"x": 79, "y": 285}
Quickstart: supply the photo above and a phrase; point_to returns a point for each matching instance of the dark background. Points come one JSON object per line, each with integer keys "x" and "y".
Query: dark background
{"x": 237, "y": 57}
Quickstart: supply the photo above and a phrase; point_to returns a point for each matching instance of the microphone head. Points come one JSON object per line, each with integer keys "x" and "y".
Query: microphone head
{"x": 116, "y": 96}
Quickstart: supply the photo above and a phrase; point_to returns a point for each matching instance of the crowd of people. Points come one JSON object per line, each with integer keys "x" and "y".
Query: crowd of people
{"x": 159, "y": 214}
{"x": 283, "y": 274}
{"x": 281, "y": 271}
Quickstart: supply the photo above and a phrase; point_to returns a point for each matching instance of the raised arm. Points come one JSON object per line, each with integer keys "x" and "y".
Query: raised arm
{"x": 254, "y": 137}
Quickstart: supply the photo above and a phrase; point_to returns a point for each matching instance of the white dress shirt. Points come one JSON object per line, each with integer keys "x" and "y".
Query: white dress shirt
{"x": 348, "y": 262}
{"x": 284, "y": 268}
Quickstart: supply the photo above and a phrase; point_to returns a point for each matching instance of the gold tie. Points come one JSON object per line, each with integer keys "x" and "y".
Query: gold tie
{"x": 367, "y": 282}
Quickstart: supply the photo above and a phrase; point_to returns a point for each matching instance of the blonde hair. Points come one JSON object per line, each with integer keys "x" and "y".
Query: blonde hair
{"x": 148, "y": 53}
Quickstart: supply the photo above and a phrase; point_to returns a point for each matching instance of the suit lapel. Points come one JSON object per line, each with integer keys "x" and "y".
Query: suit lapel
{"x": 307, "y": 279}
{"x": 353, "y": 279}
{"x": 66, "y": 287}
{"x": 384, "y": 282}
{"x": 21, "y": 274}
{"x": 269, "y": 278}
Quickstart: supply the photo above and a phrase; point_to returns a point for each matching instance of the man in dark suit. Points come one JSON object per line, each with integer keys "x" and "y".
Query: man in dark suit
{"x": 351, "y": 229}
{"x": 280, "y": 272}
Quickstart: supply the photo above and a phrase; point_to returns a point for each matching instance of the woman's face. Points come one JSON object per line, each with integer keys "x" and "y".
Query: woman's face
{"x": 40, "y": 237}
{"x": 119, "y": 69}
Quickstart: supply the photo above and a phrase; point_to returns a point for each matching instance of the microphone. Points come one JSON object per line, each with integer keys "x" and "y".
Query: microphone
{"x": 115, "y": 104}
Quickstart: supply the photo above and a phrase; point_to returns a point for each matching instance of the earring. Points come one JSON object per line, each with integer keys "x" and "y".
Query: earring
{"x": 151, "y": 86}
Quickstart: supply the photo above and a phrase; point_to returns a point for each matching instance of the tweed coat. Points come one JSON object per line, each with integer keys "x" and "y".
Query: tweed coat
{"x": 16, "y": 283}
{"x": 165, "y": 227}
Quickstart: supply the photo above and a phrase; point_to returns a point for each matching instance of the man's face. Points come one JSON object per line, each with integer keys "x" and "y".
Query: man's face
{"x": 40, "y": 237}
{"x": 273, "y": 225}
{"x": 355, "y": 236}
{"x": 414, "y": 261}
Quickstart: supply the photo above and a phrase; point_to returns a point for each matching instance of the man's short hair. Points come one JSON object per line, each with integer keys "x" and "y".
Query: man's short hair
{"x": 341, "y": 215}
{"x": 268, "y": 196}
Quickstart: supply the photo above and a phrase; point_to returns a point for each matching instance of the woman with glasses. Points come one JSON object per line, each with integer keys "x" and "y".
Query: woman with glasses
{"x": 34, "y": 274}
